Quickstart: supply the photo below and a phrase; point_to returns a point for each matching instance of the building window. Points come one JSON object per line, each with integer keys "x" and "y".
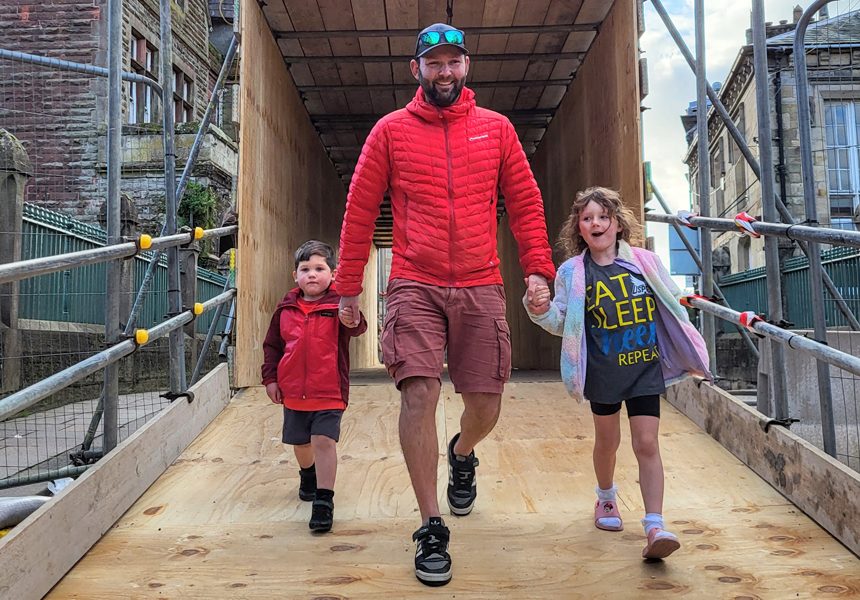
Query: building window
{"x": 739, "y": 162}
{"x": 718, "y": 173}
{"x": 144, "y": 61}
{"x": 842, "y": 121}
{"x": 182, "y": 97}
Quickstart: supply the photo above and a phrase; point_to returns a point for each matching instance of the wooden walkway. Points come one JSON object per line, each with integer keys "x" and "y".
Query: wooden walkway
{"x": 225, "y": 520}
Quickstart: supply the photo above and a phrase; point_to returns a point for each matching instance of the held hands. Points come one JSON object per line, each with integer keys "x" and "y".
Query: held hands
{"x": 537, "y": 294}
{"x": 349, "y": 312}
{"x": 274, "y": 393}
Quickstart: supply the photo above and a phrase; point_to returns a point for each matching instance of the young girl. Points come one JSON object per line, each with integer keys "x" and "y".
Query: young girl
{"x": 624, "y": 336}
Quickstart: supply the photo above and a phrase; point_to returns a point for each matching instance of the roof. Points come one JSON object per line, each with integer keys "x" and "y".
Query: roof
{"x": 350, "y": 61}
{"x": 842, "y": 29}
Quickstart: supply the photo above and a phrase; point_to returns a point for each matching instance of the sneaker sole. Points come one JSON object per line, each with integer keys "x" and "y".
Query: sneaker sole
{"x": 661, "y": 548}
{"x": 319, "y": 528}
{"x": 433, "y": 579}
{"x": 460, "y": 512}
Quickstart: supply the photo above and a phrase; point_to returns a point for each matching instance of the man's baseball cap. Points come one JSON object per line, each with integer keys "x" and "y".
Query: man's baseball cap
{"x": 439, "y": 34}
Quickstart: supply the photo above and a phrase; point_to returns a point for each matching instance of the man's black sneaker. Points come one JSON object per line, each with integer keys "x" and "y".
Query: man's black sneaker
{"x": 322, "y": 512}
{"x": 308, "y": 483}
{"x": 462, "y": 486}
{"x": 432, "y": 561}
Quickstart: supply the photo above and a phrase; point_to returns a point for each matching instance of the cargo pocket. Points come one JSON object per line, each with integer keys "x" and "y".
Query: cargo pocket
{"x": 503, "y": 334}
{"x": 389, "y": 346}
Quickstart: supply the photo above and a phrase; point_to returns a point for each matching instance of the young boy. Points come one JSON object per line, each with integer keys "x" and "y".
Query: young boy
{"x": 306, "y": 368}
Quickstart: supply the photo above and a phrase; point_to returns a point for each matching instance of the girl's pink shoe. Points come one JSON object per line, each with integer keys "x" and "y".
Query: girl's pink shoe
{"x": 606, "y": 516}
{"x": 660, "y": 544}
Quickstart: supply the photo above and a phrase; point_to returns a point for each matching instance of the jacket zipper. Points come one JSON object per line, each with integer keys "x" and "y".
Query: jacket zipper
{"x": 450, "y": 202}
{"x": 305, "y": 379}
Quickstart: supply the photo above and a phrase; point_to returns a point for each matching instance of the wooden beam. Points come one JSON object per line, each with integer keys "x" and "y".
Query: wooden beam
{"x": 412, "y": 86}
{"x": 405, "y": 58}
{"x": 40, "y": 550}
{"x": 353, "y": 33}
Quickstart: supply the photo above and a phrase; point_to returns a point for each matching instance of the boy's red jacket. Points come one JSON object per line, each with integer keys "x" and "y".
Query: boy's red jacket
{"x": 443, "y": 168}
{"x": 308, "y": 354}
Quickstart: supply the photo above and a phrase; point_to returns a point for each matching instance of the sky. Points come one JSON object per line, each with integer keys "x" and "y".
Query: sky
{"x": 672, "y": 84}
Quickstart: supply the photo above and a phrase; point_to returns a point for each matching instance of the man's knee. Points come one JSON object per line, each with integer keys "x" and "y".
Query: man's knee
{"x": 419, "y": 394}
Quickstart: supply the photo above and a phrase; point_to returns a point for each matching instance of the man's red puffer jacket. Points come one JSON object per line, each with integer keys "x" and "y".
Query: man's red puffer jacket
{"x": 443, "y": 168}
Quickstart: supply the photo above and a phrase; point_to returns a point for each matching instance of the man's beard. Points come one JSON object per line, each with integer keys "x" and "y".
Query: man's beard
{"x": 437, "y": 98}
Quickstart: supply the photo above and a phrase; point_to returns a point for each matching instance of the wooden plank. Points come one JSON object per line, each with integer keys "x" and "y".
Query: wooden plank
{"x": 530, "y": 536}
{"x": 496, "y": 13}
{"x": 370, "y": 14}
{"x": 819, "y": 485}
{"x": 39, "y": 551}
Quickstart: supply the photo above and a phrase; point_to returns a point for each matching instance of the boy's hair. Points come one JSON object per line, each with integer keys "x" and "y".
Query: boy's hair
{"x": 315, "y": 248}
{"x": 570, "y": 241}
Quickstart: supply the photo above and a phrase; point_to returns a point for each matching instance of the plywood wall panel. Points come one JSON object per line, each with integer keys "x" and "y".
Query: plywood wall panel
{"x": 288, "y": 189}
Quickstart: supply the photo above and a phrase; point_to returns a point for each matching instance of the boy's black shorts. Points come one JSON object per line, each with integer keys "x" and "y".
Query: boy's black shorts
{"x": 636, "y": 407}
{"x": 300, "y": 425}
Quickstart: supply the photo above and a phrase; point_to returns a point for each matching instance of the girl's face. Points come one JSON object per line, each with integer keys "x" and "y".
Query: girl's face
{"x": 597, "y": 228}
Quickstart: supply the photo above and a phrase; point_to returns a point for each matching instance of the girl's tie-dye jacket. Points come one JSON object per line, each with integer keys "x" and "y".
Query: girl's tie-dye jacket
{"x": 682, "y": 349}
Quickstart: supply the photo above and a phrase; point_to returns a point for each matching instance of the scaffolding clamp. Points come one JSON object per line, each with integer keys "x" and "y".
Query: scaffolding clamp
{"x": 766, "y": 423}
{"x": 745, "y": 221}
{"x": 171, "y": 396}
{"x": 684, "y": 217}
{"x": 141, "y": 242}
{"x": 748, "y": 319}
{"x": 685, "y": 300}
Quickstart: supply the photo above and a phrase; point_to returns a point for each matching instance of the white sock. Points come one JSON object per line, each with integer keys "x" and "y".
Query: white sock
{"x": 606, "y": 495}
{"x": 651, "y": 521}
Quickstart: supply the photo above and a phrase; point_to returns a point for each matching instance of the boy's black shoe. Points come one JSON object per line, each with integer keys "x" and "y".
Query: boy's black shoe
{"x": 462, "y": 486}
{"x": 432, "y": 561}
{"x": 322, "y": 511}
{"x": 308, "y": 483}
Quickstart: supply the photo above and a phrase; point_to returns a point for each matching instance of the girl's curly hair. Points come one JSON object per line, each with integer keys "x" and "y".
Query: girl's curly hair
{"x": 570, "y": 241}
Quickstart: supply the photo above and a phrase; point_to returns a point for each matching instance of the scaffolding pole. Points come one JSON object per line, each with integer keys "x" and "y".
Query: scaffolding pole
{"x": 174, "y": 294}
{"x": 707, "y": 280}
{"x": 698, "y": 260}
{"x": 748, "y": 155}
{"x": 821, "y": 352}
{"x": 819, "y": 321}
{"x": 776, "y": 368}
{"x": 113, "y": 214}
{"x": 22, "y": 399}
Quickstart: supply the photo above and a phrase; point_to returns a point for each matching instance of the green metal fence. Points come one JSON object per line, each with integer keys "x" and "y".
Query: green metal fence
{"x": 77, "y": 295}
{"x": 748, "y": 290}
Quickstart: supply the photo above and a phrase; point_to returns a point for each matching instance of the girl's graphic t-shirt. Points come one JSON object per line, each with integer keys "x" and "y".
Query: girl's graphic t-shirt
{"x": 621, "y": 335}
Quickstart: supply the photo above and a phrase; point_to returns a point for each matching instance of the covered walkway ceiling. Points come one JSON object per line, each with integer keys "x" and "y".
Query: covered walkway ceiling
{"x": 350, "y": 61}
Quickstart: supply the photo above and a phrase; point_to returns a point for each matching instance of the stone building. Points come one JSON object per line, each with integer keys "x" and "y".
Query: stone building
{"x": 833, "y": 58}
{"x": 60, "y": 117}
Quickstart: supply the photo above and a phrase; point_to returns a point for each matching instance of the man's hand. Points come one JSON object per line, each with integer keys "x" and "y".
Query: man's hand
{"x": 537, "y": 294}
{"x": 348, "y": 312}
{"x": 274, "y": 393}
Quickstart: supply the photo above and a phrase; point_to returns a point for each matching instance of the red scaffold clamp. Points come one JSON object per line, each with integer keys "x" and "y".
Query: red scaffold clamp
{"x": 748, "y": 318}
{"x": 684, "y": 217}
{"x": 685, "y": 300}
{"x": 745, "y": 221}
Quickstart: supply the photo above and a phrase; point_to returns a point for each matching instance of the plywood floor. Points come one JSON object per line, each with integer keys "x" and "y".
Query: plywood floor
{"x": 225, "y": 521}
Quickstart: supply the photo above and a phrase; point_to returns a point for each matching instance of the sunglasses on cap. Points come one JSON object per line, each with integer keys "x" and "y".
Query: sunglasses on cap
{"x": 431, "y": 38}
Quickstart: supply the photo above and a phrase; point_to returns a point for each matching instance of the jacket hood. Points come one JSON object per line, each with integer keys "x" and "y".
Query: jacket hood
{"x": 420, "y": 107}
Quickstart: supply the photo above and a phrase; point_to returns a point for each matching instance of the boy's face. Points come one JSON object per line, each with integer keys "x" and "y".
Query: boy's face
{"x": 313, "y": 276}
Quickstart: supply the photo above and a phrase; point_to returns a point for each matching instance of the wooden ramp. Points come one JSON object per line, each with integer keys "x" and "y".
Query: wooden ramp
{"x": 225, "y": 520}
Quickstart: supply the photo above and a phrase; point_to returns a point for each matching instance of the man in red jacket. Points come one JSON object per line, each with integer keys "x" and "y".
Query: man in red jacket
{"x": 442, "y": 160}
